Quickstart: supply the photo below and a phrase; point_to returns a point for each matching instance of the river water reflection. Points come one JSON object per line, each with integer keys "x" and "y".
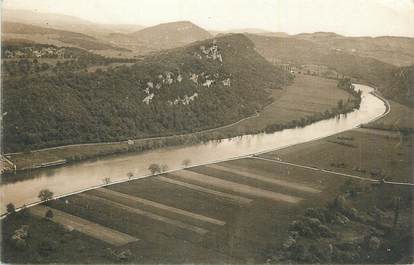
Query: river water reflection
{"x": 82, "y": 175}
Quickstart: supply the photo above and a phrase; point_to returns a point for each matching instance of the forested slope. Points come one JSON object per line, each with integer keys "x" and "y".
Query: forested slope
{"x": 207, "y": 84}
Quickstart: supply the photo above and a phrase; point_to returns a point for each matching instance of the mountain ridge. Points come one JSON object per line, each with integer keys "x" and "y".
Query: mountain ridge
{"x": 171, "y": 35}
{"x": 65, "y": 22}
{"x": 14, "y": 30}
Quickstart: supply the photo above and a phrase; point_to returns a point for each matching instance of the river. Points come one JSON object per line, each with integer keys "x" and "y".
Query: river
{"x": 76, "y": 177}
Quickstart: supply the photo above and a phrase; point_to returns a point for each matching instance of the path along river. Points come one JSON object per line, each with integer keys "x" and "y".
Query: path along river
{"x": 80, "y": 176}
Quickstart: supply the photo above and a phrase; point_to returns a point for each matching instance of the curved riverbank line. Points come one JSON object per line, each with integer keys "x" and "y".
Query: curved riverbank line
{"x": 88, "y": 175}
{"x": 295, "y": 106}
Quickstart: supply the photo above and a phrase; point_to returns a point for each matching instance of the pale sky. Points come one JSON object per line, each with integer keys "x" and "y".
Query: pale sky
{"x": 347, "y": 17}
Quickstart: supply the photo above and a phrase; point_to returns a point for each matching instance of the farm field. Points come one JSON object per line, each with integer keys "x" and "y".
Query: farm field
{"x": 363, "y": 152}
{"x": 184, "y": 225}
{"x": 307, "y": 95}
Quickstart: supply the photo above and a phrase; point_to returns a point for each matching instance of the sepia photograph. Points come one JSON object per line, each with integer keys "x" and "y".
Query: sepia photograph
{"x": 207, "y": 132}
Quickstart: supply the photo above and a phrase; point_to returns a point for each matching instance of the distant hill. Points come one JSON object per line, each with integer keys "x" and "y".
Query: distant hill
{"x": 12, "y": 30}
{"x": 394, "y": 82}
{"x": 301, "y": 52}
{"x": 398, "y": 51}
{"x": 65, "y": 22}
{"x": 274, "y": 34}
{"x": 171, "y": 35}
{"x": 317, "y": 35}
{"x": 250, "y": 31}
{"x": 123, "y": 28}
{"x": 203, "y": 85}
{"x": 159, "y": 37}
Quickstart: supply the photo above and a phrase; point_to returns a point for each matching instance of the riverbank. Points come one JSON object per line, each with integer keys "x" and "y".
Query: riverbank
{"x": 307, "y": 96}
{"x": 243, "y": 232}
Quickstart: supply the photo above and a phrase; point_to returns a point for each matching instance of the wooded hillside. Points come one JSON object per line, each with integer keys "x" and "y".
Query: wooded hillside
{"x": 204, "y": 85}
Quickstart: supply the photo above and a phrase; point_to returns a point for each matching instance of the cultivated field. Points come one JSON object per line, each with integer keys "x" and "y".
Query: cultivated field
{"x": 364, "y": 152}
{"x": 306, "y": 96}
{"x": 242, "y": 218}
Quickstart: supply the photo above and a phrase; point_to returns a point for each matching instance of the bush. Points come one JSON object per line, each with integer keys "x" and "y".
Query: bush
{"x": 10, "y": 208}
{"x": 45, "y": 195}
{"x": 154, "y": 169}
{"x": 318, "y": 213}
{"x": 49, "y": 214}
{"x": 47, "y": 246}
{"x": 186, "y": 162}
{"x": 19, "y": 237}
{"x": 20, "y": 244}
{"x": 311, "y": 228}
{"x": 118, "y": 255}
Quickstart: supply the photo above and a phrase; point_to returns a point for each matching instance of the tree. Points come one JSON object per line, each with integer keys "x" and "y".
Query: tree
{"x": 340, "y": 104}
{"x": 49, "y": 214}
{"x": 106, "y": 180}
{"x": 130, "y": 175}
{"x": 164, "y": 168}
{"x": 24, "y": 66}
{"x": 154, "y": 168}
{"x": 10, "y": 208}
{"x": 186, "y": 162}
{"x": 45, "y": 195}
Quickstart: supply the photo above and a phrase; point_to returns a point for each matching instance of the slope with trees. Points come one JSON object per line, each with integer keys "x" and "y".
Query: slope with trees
{"x": 204, "y": 85}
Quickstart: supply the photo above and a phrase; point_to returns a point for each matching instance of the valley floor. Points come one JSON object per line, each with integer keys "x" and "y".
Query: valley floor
{"x": 244, "y": 210}
{"x": 307, "y": 95}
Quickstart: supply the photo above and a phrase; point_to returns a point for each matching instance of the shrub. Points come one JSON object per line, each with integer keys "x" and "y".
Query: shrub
{"x": 186, "y": 162}
{"x": 47, "y": 246}
{"x": 130, "y": 175}
{"x": 45, "y": 195}
{"x": 154, "y": 168}
{"x": 10, "y": 208}
{"x": 19, "y": 237}
{"x": 311, "y": 228}
{"x": 49, "y": 214}
{"x": 106, "y": 180}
